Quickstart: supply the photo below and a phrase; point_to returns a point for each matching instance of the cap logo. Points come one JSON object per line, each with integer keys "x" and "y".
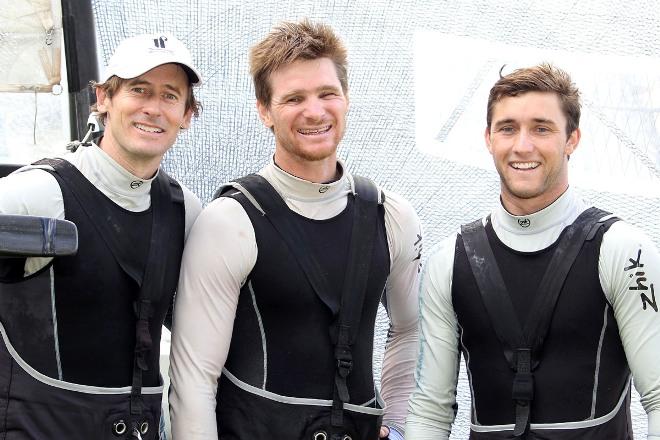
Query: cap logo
{"x": 524, "y": 222}
{"x": 160, "y": 42}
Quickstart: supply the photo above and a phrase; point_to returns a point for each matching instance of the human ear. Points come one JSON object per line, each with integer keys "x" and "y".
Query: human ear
{"x": 264, "y": 114}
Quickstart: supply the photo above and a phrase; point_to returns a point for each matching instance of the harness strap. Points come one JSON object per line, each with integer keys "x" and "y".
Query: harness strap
{"x": 347, "y": 324}
{"x": 522, "y": 346}
{"x": 344, "y": 329}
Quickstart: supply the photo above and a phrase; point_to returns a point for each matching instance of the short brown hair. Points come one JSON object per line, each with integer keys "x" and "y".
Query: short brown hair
{"x": 289, "y": 42}
{"x": 541, "y": 78}
{"x": 114, "y": 83}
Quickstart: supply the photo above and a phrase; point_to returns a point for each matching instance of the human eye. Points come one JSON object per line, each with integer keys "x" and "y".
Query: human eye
{"x": 506, "y": 129}
{"x": 293, "y": 99}
{"x": 170, "y": 96}
{"x": 543, "y": 130}
{"x": 138, "y": 90}
{"x": 329, "y": 94}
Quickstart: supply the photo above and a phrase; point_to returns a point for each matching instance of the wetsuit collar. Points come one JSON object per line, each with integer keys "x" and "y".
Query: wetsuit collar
{"x": 106, "y": 174}
{"x": 302, "y": 190}
{"x": 540, "y": 229}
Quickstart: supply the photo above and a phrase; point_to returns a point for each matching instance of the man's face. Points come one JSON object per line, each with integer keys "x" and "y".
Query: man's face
{"x": 307, "y": 112}
{"x": 144, "y": 117}
{"x": 530, "y": 148}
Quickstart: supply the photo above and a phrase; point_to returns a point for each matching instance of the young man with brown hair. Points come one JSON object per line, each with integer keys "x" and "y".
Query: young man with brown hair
{"x": 283, "y": 274}
{"x": 79, "y": 355}
{"x": 550, "y": 301}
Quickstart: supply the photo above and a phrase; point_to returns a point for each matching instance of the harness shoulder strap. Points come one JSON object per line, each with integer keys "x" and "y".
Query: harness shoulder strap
{"x": 494, "y": 293}
{"x": 164, "y": 192}
{"x": 347, "y": 324}
{"x": 573, "y": 238}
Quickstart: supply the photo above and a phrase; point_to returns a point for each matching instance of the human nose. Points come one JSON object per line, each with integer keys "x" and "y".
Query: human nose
{"x": 523, "y": 142}
{"x": 152, "y": 106}
{"x": 314, "y": 109}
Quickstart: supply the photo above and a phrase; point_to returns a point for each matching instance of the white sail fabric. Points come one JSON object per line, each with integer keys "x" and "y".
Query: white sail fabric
{"x": 33, "y": 108}
{"x": 30, "y": 45}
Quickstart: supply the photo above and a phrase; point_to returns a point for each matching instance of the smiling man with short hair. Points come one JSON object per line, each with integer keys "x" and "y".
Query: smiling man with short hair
{"x": 283, "y": 274}
{"x": 550, "y": 301}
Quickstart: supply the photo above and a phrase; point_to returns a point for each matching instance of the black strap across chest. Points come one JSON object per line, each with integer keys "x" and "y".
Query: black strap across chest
{"x": 522, "y": 344}
{"x": 345, "y": 328}
{"x": 164, "y": 192}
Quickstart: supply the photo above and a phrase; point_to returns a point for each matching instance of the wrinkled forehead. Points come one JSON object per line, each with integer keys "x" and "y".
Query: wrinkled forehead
{"x": 305, "y": 74}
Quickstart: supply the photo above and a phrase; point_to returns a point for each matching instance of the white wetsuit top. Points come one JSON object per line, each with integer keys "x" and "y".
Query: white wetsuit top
{"x": 33, "y": 191}
{"x": 220, "y": 254}
{"x": 431, "y": 410}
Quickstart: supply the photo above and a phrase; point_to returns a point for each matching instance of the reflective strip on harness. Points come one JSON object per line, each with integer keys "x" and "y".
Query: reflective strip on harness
{"x": 363, "y": 408}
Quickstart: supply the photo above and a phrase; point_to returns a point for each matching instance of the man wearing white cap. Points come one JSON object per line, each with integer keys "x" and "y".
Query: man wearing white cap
{"x": 80, "y": 335}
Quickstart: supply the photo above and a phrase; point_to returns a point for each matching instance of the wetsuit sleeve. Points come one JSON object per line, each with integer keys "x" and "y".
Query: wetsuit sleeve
{"x": 629, "y": 270}
{"x": 219, "y": 254}
{"x": 31, "y": 192}
{"x": 432, "y": 406}
{"x": 193, "y": 207}
{"x": 405, "y": 243}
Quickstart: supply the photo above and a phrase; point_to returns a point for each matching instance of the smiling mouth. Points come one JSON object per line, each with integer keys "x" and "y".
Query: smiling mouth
{"x": 147, "y": 128}
{"x": 525, "y": 165}
{"x": 314, "y": 131}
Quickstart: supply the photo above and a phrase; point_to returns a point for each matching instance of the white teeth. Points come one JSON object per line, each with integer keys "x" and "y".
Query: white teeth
{"x": 314, "y": 131}
{"x": 525, "y": 165}
{"x": 148, "y": 129}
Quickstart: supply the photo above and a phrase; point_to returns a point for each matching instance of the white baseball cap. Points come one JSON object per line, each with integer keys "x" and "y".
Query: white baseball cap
{"x": 137, "y": 55}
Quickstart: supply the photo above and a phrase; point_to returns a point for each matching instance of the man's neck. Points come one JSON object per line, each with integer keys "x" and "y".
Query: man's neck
{"x": 137, "y": 166}
{"x": 519, "y": 206}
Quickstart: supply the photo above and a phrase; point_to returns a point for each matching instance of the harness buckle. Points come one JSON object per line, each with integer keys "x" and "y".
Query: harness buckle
{"x": 344, "y": 360}
{"x": 344, "y": 367}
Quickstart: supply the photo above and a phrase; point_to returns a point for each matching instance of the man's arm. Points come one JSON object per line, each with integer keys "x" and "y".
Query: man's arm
{"x": 193, "y": 207}
{"x": 219, "y": 254}
{"x": 405, "y": 246}
{"x": 629, "y": 270}
{"x": 31, "y": 192}
{"x": 432, "y": 406}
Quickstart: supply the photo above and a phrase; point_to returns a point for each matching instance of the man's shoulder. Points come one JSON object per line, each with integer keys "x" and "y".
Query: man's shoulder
{"x": 605, "y": 218}
{"x": 38, "y": 173}
{"x": 401, "y": 216}
{"x": 238, "y": 185}
{"x": 397, "y": 203}
{"x": 29, "y": 190}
